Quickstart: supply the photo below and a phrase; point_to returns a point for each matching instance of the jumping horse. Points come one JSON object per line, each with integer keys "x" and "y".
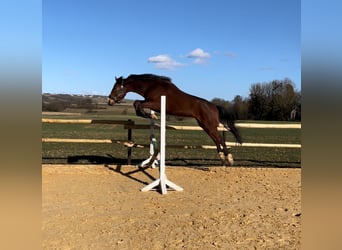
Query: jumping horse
{"x": 208, "y": 115}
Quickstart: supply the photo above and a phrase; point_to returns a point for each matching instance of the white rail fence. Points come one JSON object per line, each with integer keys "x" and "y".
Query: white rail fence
{"x": 130, "y": 126}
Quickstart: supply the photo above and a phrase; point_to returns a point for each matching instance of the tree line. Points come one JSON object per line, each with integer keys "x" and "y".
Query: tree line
{"x": 277, "y": 100}
{"x": 60, "y": 102}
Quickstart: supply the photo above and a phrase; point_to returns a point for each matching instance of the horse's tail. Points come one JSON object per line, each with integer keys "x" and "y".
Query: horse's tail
{"x": 228, "y": 120}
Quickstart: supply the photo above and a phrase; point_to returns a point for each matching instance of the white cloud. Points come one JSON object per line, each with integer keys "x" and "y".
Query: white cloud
{"x": 164, "y": 62}
{"x": 230, "y": 54}
{"x": 159, "y": 59}
{"x": 200, "y": 60}
{"x": 199, "y": 55}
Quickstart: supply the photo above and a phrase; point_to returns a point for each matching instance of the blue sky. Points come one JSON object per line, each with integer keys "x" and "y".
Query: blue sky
{"x": 215, "y": 48}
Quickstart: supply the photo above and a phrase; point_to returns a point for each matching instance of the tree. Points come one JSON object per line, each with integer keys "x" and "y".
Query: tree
{"x": 54, "y": 106}
{"x": 221, "y": 102}
{"x": 274, "y": 100}
{"x": 240, "y": 108}
{"x": 257, "y": 101}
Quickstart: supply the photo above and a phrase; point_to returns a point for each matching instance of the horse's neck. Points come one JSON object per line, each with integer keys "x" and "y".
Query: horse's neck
{"x": 138, "y": 87}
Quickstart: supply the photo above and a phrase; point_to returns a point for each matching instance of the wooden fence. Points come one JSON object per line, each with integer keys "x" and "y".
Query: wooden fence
{"x": 130, "y": 125}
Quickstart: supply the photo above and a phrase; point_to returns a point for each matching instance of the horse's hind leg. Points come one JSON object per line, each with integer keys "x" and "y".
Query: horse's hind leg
{"x": 227, "y": 155}
{"x": 221, "y": 146}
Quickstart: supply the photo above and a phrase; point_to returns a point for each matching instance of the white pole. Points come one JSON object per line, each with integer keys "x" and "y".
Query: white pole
{"x": 162, "y": 181}
{"x": 162, "y": 145}
{"x": 162, "y": 131}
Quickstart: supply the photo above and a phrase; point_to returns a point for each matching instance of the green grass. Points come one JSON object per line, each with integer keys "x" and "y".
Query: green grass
{"x": 117, "y": 154}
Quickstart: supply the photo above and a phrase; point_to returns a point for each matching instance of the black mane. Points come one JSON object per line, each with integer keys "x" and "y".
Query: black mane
{"x": 149, "y": 77}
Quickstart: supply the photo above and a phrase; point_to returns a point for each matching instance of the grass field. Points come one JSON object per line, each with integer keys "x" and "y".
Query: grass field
{"x": 117, "y": 154}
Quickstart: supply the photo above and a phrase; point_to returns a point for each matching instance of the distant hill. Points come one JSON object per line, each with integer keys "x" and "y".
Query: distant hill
{"x": 60, "y": 102}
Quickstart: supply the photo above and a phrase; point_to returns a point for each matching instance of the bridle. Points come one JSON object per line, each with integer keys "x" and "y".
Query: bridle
{"x": 121, "y": 87}
{"x": 119, "y": 92}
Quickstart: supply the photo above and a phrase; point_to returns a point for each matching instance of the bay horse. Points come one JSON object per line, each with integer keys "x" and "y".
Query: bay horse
{"x": 207, "y": 114}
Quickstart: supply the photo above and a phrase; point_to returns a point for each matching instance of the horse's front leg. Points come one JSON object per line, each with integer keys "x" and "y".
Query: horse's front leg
{"x": 139, "y": 110}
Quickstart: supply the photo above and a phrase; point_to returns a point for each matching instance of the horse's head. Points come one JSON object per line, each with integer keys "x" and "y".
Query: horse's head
{"x": 118, "y": 91}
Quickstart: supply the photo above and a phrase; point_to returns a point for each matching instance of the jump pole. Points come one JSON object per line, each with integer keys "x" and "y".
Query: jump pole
{"x": 162, "y": 181}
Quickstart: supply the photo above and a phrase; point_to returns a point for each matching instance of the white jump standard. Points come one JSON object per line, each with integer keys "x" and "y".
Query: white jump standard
{"x": 153, "y": 159}
{"x": 162, "y": 181}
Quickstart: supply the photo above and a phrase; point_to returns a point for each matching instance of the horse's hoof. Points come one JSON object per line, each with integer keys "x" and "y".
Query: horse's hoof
{"x": 223, "y": 161}
{"x": 230, "y": 159}
{"x": 154, "y": 116}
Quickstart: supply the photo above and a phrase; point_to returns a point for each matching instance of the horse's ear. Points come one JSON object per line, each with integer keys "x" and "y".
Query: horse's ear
{"x": 116, "y": 78}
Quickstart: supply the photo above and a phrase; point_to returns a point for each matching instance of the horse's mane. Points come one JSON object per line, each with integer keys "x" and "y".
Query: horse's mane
{"x": 149, "y": 77}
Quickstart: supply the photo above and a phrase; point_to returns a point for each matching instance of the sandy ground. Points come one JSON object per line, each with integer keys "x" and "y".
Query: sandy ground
{"x": 102, "y": 207}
